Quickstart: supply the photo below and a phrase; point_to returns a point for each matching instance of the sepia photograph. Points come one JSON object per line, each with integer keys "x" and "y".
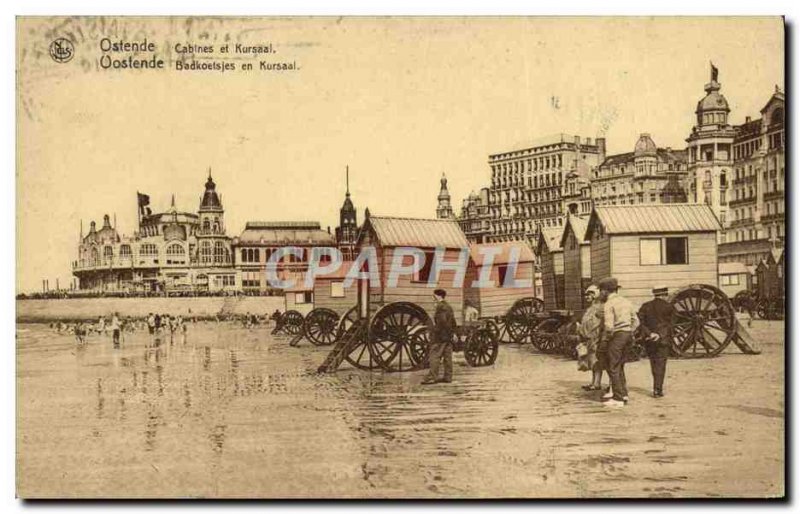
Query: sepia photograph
{"x": 400, "y": 257}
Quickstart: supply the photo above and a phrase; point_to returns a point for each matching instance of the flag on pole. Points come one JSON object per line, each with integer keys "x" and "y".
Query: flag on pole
{"x": 714, "y": 72}
{"x": 143, "y": 201}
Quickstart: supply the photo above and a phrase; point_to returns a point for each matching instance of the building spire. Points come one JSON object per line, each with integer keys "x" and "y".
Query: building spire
{"x": 173, "y": 200}
{"x": 347, "y": 179}
{"x": 209, "y": 172}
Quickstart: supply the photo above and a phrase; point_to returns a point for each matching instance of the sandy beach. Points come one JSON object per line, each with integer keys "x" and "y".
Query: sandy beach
{"x": 237, "y": 412}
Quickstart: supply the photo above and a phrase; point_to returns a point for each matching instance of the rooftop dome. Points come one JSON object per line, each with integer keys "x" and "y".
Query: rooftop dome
{"x": 645, "y": 146}
{"x": 107, "y": 233}
{"x": 713, "y": 101}
{"x": 210, "y": 200}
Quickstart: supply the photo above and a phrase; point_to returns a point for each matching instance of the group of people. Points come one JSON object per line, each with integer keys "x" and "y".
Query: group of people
{"x": 117, "y": 326}
{"x": 606, "y": 332}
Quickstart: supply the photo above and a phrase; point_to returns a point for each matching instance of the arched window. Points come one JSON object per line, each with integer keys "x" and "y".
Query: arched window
{"x": 220, "y": 253}
{"x": 125, "y": 252}
{"x": 108, "y": 254}
{"x": 244, "y": 254}
{"x": 176, "y": 254}
{"x": 206, "y": 225}
{"x": 95, "y": 259}
{"x": 206, "y": 252}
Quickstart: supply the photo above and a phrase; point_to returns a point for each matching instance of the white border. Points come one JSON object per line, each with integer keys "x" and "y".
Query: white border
{"x": 319, "y": 7}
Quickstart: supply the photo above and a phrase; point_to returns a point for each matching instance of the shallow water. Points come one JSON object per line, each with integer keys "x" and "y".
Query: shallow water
{"x": 232, "y": 412}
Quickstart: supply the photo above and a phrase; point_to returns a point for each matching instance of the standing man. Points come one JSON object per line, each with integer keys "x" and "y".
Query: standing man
{"x": 617, "y": 326}
{"x": 444, "y": 326}
{"x": 656, "y": 318}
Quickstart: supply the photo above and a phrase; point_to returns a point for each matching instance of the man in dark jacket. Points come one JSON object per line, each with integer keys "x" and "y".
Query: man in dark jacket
{"x": 444, "y": 326}
{"x": 656, "y": 318}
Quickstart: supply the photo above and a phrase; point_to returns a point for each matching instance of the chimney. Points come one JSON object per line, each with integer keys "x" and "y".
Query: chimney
{"x": 588, "y": 141}
{"x": 329, "y": 229}
{"x": 577, "y": 152}
{"x": 747, "y": 119}
{"x": 601, "y": 149}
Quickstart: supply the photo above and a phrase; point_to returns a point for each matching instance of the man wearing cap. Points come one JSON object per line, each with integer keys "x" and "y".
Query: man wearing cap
{"x": 617, "y": 326}
{"x": 590, "y": 331}
{"x": 441, "y": 348}
{"x": 656, "y": 317}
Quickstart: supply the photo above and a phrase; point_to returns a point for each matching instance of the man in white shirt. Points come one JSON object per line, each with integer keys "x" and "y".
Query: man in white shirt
{"x": 618, "y": 317}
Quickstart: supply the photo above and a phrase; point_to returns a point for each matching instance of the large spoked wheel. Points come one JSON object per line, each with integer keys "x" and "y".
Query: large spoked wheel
{"x": 292, "y": 322}
{"x": 360, "y": 355}
{"x": 481, "y": 348}
{"x": 520, "y": 319}
{"x": 569, "y": 340}
{"x": 703, "y": 322}
{"x": 320, "y": 326}
{"x": 543, "y": 335}
{"x": 399, "y": 336}
{"x": 348, "y": 320}
{"x": 775, "y": 308}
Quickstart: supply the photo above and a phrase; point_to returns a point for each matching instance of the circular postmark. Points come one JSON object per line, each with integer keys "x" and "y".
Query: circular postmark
{"x": 62, "y": 50}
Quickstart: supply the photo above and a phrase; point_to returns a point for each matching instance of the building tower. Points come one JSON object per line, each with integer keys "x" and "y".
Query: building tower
{"x": 710, "y": 153}
{"x": 212, "y": 215}
{"x": 214, "y": 245}
{"x": 444, "y": 210}
{"x": 347, "y": 231}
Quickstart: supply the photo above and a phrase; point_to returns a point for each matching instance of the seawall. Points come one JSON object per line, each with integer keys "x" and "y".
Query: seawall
{"x": 38, "y": 311}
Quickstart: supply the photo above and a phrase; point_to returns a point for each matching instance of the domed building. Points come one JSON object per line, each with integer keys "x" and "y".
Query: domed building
{"x": 709, "y": 152}
{"x": 647, "y": 175}
{"x": 172, "y": 251}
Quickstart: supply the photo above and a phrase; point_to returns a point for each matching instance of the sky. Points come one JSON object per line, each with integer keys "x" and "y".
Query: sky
{"x": 400, "y": 101}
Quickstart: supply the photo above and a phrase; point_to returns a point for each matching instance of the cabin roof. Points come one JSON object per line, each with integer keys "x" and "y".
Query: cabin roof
{"x": 654, "y": 219}
{"x": 730, "y": 268}
{"x": 551, "y": 238}
{"x": 418, "y": 233}
{"x": 525, "y": 252}
{"x": 579, "y": 227}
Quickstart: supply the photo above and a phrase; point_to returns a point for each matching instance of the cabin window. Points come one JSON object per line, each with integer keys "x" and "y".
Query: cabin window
{"x": 677, "y": 250}
{"x": 649, "y": 252}
{"x": 658, "y": 251}
{"x": 424, "y": 274}
{"x": 303, "y": 297}
{"x": 729, "y": 280}
{"x": 337, "y": 289}
{"x": 502, "y": 271}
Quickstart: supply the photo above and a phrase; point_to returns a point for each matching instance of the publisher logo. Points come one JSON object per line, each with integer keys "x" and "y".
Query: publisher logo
{"x": 62, "y": 50}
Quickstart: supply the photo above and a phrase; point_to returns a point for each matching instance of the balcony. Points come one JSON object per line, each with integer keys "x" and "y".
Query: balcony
{"x": 742, "y": 201}
{"x": 780, "y": 216}
{"x": 774, "y": 195}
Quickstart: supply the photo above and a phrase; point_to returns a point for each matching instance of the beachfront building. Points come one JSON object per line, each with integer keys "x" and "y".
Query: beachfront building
{"x": 647, "y": 175}
{"x": 172, "y": 251}
{"x": 259, "y": 241}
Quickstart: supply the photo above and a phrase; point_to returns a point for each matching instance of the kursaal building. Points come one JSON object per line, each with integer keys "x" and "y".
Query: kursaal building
{"x": 171, "y": 250}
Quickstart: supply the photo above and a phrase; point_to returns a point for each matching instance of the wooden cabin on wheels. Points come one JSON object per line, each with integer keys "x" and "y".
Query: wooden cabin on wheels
{"x": 511, "y": 262}
{"x": 674, "y": 245}
{"x": 640, "y": 245}
{"x": 577, "y": 254}
{"x": 551, "y": 263}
